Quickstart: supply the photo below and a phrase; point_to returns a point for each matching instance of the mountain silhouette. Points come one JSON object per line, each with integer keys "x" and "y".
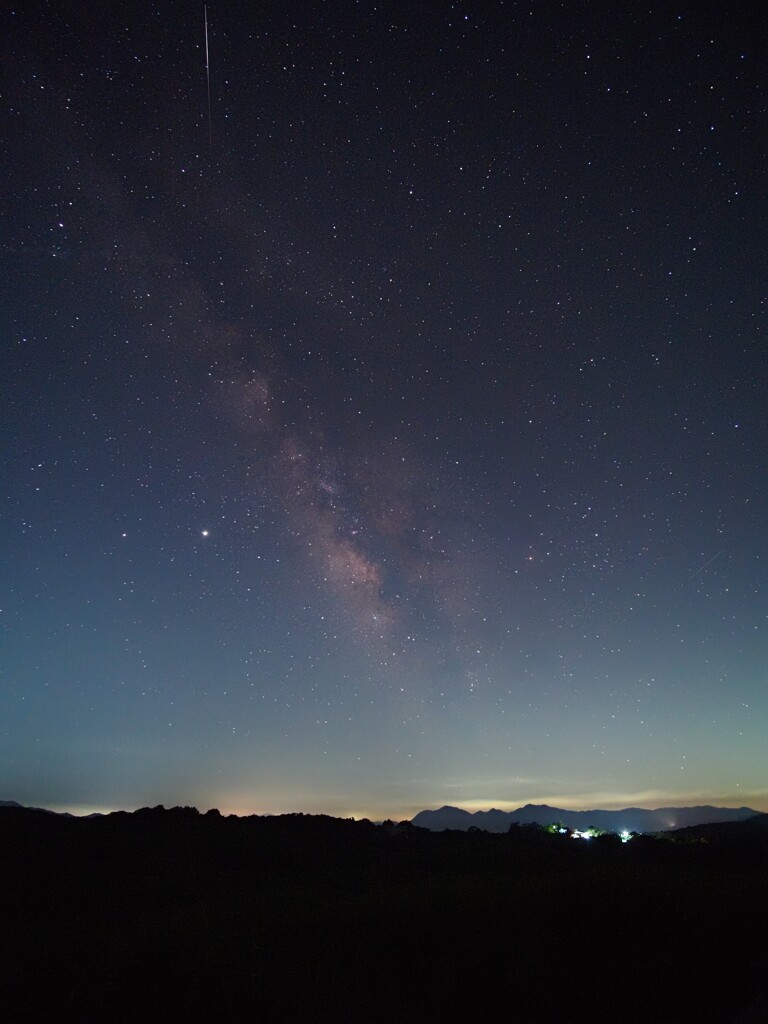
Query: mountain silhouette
{"x": 631, "y": 819}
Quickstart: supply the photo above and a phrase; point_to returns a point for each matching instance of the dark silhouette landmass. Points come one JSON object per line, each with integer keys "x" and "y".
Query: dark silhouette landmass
{"x": 631, "y": 819}
{"x": 165, "y": 915}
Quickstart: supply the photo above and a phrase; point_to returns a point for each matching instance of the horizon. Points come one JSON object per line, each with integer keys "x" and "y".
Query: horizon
{"x": 80, "y": 810}
{"x": 386, "y": 427}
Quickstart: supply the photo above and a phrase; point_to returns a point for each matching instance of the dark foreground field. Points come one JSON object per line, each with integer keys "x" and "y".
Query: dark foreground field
{"x": 172, "y": 915}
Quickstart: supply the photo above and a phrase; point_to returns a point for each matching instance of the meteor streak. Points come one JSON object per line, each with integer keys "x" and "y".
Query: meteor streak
{"x": 208, "y": 76}
{"x": 703, "y": 567}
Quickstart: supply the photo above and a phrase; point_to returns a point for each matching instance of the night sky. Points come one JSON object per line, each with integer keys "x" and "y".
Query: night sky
{"x": 396, "y": 435}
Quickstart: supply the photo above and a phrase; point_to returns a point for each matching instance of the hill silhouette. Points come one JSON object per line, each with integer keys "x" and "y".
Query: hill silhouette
{"x": 749, "y": 830}
{"x": 172, "y": 914}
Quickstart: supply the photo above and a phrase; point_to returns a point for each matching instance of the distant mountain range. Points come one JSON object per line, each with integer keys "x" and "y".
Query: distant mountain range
{"x": 633, "y": 819}
{"x": 13, "y": 803}
{"x": 60, "y": 814}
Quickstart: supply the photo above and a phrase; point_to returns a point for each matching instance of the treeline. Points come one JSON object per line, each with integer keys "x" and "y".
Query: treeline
{"x": 162, "y": 914}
